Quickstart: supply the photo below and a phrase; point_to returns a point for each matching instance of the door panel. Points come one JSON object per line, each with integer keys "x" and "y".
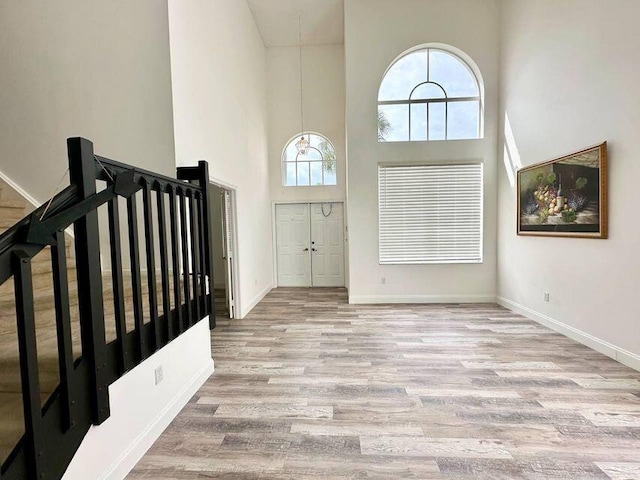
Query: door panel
{"x": 292, "y": 245}
{"x": 327, "y": 237}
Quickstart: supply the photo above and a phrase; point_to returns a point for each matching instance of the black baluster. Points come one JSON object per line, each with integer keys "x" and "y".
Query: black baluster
{"x": 124, "y": 356}
{"x": 185, "y": 260}
{"x": 33, "y": 440}
{"x": 136, "y": 283}
{"x": 195, "y": 256}
{"x": 175, "y": 254}
{"x": 202, "y": 237}
{"x": 164, "y": 263}
{"x": 63, "y": 330}
{"x": 151, "y": 265}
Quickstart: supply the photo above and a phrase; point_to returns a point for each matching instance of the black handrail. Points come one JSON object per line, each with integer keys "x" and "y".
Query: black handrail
{"x": 15, "y": 235}
{"x": 54, "y": 432}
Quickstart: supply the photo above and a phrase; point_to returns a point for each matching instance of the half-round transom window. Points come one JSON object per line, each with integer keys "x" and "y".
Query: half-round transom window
{"x": 315, "y": 166}
{"x": 429, "y": 94}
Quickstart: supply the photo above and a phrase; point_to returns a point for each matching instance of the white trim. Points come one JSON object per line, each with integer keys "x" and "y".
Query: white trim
{"x": 245, "y": 309}
{"x": 21, "y": 191}
{"x": 612, "y": 351}
{"x": 377, "y": 299}
{"x": 222, "y": 183}
{"x": 35, "y": 203}
{"x": 287, "y": 202}
{"x": 136, "y": 450}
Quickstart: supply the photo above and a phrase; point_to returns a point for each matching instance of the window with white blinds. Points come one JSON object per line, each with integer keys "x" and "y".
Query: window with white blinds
{"x": 430, "y": 214}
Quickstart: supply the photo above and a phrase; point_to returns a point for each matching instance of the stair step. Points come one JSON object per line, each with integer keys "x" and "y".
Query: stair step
{"x": 10, "y": 214}
{"x": 14, "y": 203}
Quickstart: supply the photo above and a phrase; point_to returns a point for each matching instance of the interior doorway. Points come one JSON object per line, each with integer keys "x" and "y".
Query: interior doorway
{"x": 224, "y": 251}
{"x": 310, "y": 244}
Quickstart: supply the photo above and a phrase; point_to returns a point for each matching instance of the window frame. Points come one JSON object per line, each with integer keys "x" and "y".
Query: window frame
{"x": 284, "y": 161}
{"x": 446, "y": 100}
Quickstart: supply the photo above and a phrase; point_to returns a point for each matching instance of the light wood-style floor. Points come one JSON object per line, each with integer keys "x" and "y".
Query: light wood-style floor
{"x": 309, "y": 387}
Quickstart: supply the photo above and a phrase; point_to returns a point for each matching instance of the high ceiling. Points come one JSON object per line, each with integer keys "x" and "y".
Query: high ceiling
{"x": 277, "y": 20}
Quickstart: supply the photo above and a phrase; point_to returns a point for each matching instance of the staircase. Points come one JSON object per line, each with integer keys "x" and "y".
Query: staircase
{"x": 13, "y": 208}
{"x": 136, "y": 319}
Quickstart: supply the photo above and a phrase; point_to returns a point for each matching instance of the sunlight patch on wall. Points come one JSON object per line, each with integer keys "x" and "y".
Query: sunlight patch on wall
{"x": 511, "y": 156}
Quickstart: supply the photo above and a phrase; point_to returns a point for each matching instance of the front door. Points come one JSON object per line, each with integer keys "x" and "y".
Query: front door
{"x": 310, "y": 245}
{"x": 327, "y": 245}
{"x": 293, "y": 245}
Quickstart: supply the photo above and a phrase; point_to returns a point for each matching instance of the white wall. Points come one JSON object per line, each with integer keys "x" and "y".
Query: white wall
{"x": 324, "y": 102}
{"x": 94, "y": 69}
{"x": 220, "y": 113}
{"x": 377, "y": 31}
{"x": 570, "y": 80}
{"x": 141, "y": 410}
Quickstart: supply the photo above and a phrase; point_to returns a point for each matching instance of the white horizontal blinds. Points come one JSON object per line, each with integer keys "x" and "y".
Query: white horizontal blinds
{"x": 430, "y": 214}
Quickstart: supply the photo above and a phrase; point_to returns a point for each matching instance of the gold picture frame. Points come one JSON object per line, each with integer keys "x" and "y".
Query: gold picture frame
{"x": 566, "y": 196}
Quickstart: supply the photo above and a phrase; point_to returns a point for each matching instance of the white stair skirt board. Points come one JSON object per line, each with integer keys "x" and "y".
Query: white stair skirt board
{"x": 141, "y": 410}
{"x": 21, "y": 191}
{"x": 373, "y": 299}
{"x": 621, "y": 355}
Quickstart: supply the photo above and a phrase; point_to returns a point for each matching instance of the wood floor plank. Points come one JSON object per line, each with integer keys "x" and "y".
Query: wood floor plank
{"x": 432, "y": 447}
{"x": 620, "y": 471}
{"x": 273, "y": 411}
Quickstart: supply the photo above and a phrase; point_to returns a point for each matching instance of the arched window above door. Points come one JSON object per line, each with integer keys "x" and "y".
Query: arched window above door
{"x": 314, "y": 166}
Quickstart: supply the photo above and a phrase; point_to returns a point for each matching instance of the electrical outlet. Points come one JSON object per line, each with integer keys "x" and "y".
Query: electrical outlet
{"x": 159, "y": 374}
{"x": 383, "y": 280}
{"x": 546, "y": 296}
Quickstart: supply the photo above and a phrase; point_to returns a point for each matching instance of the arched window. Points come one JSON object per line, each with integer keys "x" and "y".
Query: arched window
{"x": 429, "y": 94}
{"x": 314, "y": 166}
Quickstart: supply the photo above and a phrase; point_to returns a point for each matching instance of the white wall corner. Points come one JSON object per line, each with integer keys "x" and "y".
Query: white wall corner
{"x": 377, "y": 299}
{"x": 612, "y": 351}
{"x": 245, "y": 309}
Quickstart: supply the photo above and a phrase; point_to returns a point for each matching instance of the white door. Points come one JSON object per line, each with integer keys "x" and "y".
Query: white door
{"x": 293, "y": 245}
{"x": 228, "y": 250}
{"x": 327, "y": 244}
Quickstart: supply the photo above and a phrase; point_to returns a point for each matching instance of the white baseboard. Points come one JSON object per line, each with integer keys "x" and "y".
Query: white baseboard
{"x": 376, "y": 299}
{"x": 619, "y": 354}
{"x": 136, "y": 450}
{"x": 254, "y": 301}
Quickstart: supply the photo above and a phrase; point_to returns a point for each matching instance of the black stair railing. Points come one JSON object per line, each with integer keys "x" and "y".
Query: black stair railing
{"x": 178, "y": 281}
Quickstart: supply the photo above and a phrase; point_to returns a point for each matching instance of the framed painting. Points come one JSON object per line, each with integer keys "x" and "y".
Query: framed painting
{"x": 566, "y": 196}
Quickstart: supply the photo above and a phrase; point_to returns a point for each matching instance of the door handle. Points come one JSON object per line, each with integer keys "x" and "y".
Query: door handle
{"x": 305, "y": 250}
{"x": 314, "y": 250}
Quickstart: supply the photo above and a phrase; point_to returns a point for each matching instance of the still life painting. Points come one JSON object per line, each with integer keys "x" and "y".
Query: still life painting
{"x": 566, "y": 196}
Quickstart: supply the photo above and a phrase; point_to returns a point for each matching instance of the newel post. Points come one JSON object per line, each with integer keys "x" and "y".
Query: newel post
{"x": 200, "y": 175}
{"x": 207, "y": 231}
{"x": 89, "y": 272}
